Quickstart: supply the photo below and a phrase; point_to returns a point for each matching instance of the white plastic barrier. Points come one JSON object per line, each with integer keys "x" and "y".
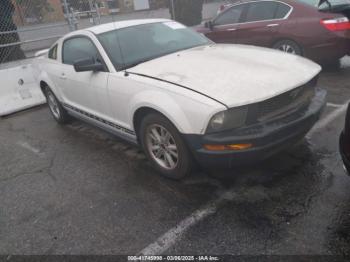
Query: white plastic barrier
{"x": 346, "y": 62}
{"x": 19, "y": 89}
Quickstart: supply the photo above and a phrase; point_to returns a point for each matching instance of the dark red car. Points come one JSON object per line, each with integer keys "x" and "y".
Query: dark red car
{"x": 319, "y": 30}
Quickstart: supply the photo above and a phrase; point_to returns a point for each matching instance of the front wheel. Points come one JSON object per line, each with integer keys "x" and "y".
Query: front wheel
{"x": 288, "y": 46}
{"x": 164, "y": 147}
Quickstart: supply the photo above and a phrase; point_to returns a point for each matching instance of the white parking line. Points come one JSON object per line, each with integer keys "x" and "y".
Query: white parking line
{"x": 27, "y": 146}
{"x": 334, "y": 105}
{"x": 168, "y": 239}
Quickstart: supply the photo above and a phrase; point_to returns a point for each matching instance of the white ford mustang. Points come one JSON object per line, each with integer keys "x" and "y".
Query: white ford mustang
{"x": 181, "y": 97}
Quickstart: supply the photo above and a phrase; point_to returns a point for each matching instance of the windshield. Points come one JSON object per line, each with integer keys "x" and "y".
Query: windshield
{"x": 130, "y": 46}
{"x": 324, "y": 4}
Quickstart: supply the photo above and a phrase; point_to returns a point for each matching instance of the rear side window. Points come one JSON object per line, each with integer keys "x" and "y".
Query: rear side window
{"x": 78, "y": 48}
{"x": 231, "y": 16}
{"x": 282, "y": 11}
{"x": 53, "y": 53}
{"x": 259, "y": 11}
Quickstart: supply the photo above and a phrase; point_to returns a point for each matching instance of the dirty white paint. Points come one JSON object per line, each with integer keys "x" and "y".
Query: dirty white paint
{"x": 232, "y": 74}
{"x": 19, "y": 89}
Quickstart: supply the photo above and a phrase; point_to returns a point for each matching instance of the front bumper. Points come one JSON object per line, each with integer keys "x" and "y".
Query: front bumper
{"x": 267, "y": 138}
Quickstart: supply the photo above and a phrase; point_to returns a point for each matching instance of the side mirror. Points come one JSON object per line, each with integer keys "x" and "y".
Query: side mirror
{"x": 209, "y": 24}
{"x": 88, "y": 64}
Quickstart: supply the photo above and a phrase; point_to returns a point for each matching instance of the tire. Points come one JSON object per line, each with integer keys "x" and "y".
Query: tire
{"x": 288, "y": 46}
{"x": 56, "y": 109}
{"x": 170, "y": 155}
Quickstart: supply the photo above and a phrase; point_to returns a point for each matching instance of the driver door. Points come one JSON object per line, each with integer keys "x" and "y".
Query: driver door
{"x": 86, "y": 91}
{"x": 226, "y": 24}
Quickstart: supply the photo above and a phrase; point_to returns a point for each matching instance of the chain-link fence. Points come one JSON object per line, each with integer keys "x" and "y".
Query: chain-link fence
{"x": 27, "y": 26}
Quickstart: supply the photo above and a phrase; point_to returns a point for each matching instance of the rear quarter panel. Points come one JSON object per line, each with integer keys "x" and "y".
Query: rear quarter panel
{"x": 49, "y": 69}
{"x": 304, "y": 27}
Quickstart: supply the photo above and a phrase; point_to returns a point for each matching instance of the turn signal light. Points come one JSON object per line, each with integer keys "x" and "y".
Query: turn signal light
{"x": 227, "y": 147}
{"x": 336, "y": 24}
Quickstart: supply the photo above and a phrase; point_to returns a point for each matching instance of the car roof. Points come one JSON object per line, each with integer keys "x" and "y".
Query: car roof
{"x": 99, "y": 29}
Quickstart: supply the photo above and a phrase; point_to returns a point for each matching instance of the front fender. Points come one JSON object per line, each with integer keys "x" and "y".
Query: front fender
{"x": 166, "y": 105}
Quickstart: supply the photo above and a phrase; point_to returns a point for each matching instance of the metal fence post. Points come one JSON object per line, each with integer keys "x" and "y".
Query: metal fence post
{"x": 69, "y": 18}
{"x": 173, "y": 8}
{"x": 98, "y": 13}
{"x": 91, "y": 6}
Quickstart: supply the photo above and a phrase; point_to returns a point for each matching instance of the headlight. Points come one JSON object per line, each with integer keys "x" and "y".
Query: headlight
{"x": 229, "y": 119}
{"x": 217, "y": 121}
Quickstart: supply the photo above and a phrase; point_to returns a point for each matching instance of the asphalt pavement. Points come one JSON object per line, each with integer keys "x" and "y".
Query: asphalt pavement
{"x": 75, "y": 189}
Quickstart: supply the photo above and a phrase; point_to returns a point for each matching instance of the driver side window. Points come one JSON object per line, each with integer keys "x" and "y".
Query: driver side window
{"x": 230, "y": 16}
{"x": 78, "y": 48}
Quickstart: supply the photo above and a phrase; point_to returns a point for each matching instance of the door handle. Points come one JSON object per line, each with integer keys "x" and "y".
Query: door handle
{"x": 272, "y": 25}
{"x": 63, "y": 76}
{"x": 232, "y": 29}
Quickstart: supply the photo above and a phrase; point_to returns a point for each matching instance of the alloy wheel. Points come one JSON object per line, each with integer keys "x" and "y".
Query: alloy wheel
{"x": 162, "y": 146}
{"x": 287, "y": 48}
{"x": 53, "y": 104}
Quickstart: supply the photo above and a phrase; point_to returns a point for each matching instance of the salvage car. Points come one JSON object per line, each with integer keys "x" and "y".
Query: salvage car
{"x": 182, "y": 98}
{"x": 317, "y": 30}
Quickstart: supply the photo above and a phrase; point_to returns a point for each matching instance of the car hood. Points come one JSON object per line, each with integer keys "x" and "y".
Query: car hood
{"x": 232, "y": 74}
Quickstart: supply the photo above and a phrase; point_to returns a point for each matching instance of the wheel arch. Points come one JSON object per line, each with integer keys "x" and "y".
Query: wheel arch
{"x": 186, "y": 114}
{"x": 42, "y": 85}
{"x": 144, "y": 110}
{"x": 44, "y": 81}
{"x": 139, "y": 114}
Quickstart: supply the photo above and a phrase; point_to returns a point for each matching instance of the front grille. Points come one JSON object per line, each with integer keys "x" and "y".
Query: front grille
{"x": 288, "y": 102}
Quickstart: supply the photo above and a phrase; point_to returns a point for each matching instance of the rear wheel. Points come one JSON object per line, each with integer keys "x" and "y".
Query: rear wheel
{"x": 164, "y": 146}
{"x": 288, "y": 46}
{"x": 57, "y": 111}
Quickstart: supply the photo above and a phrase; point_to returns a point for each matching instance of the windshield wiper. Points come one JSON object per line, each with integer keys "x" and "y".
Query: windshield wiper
{"x": 157, "y": 56}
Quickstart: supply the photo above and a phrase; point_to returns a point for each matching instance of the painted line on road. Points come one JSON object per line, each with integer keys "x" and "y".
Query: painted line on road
{"x": 170, "y": 238}
{"x": 322, "y": 123}
{"x": 27, "y": 146}
{"x": 334, "y": 105}
{"x": 167, "y": 240}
